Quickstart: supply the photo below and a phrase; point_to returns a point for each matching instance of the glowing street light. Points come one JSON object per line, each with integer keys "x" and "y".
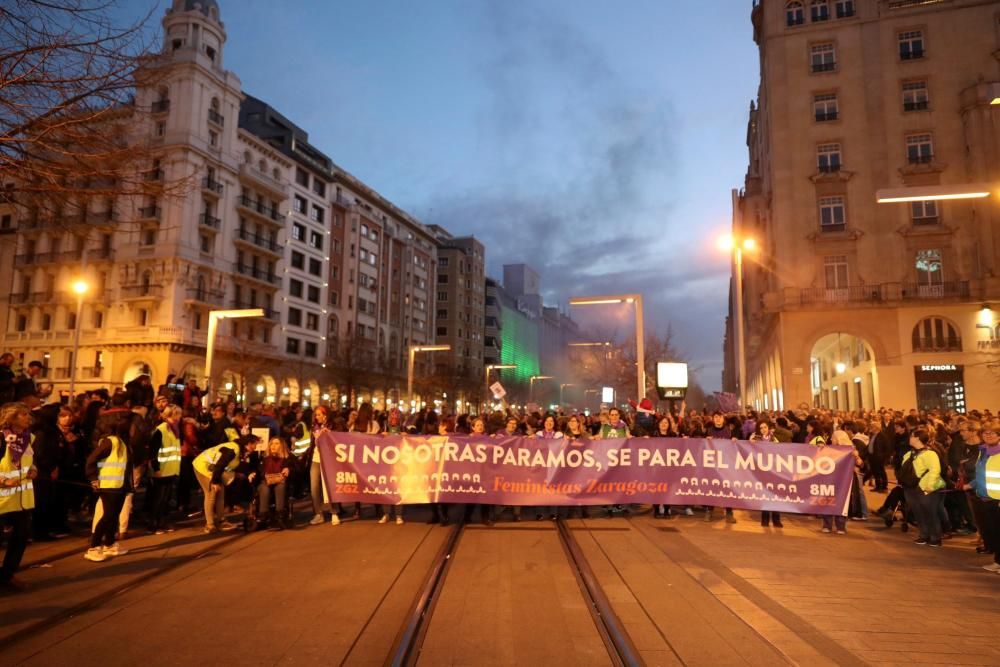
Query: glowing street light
{"x": 640, "y": 350}
{"x": 80, "y": 287}
{"x": 737, "y": 246}
{"x": 932, "y": 193}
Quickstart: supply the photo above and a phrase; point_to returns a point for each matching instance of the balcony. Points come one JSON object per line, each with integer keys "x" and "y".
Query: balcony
{"x": 826, "y": 116}
{"x": 849, "y": 294}
{"x": 216, "y": 117}
{"x": 958, "y": 289}
{"x": 911, "y": 54}
{"x": 269, "y": 313}
{"x": 205, "y": 297}
{"x": 150, "y": 213}
{"x": 260, "y": 209}
{"x": 919, "y": 105}
{"x": 101, "y": 217}
{"x": 257, "y": 274}
{"x": 258, "y": 242}
{"x": 818, "y": 68}
{"x": 35, "y": 298}
{"x": 341, "y": 200}
{"x": 91, "y": 372}
{"x": 141, "y": 292}
{"x": 260, "y": 179}
{"x": 62, "y": 373}
{"x": 160, "y": 106}
{"x": 210, "y": 221}
{"x": 829, "y": 168}
{"x": 943, "y": 344}
{"x": 211, "y": 186}
{"x": 919, "y": 159}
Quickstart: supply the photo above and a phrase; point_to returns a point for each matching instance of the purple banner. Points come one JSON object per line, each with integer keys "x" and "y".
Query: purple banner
{"x": 403, "y": 469}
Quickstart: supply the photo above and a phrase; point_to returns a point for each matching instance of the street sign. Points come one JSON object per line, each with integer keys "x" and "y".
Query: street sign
{"x": 671, "y": 379}
{"x": 498, "y": 390}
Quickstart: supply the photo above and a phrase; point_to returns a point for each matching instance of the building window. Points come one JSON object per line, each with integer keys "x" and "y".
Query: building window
{"x": 442, "y": 297}
{"x": 292, "y": 345}
{"x": 936, "y": 334}
{"x": 316, "y": 240}
{"x": 819, "y": 10}
{"x": 298, "y": 260}
{"x": 295, "y": 317}
{"x": 442, "y": 313}
{"x": 302, "y": 177}
{"x": 443, "y": 262}
{"x": 825, "y": 107}
{"x": 924, "y": 212}
{"x": 835, "y": 272}
{"x": 312, "y": 294}
{"x": 334, "y": 298}
{"x": 442, "y": 331}
{"x": 315, "y": 266}
{"x": 149, "y": 236}
{"x": 845, "y": 9}
{"x": 213, "y": 138}
{"x": 312, "y": 321}
{"x": 161, "y": 128}
{"x": 22, "y": 323}
{"x": 206, "y": 244}
{"x": 930, "y": 272}
{"x": 311, "y": 349}
{"x": 316, "y": 214}
{"x": 795, "y": 14}
{"x": 828, "y": 158}
{"x": 832, "y": 217}
{"x": 442, "y": 279}
{"x": 823, "y": 57}
{"x": 911, "y": 45}
{"x": 319, "y": 187}
{"x": 142, "y": 317}
{"x": 919, "y": 149}
{"x": 298, "y": 232}
{"x": 915, "y": 96}
{"x": 299, "y": 204}
{"x": 295, "y": 288}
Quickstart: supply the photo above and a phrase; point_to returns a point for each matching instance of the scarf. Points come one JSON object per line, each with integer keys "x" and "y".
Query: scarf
{"x": 17, "y": 444}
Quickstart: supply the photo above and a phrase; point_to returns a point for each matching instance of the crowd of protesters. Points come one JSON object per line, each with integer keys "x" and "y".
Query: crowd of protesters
{"x": 85, "y": 460}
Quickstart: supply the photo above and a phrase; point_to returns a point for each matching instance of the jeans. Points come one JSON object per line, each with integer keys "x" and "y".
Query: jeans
{"x": 159, "y": 489}
{"x": 840, "y": 521}
{"x": 767, "y": 517}
{"x": 861, "y": 492}
{"x": 17, "y": 542}
{"x": 926, "y": 508}
{"x": 215, "y": 501}
{"x": 107, "y": 526}
{"x": 877, "y": 468}
{"x": 316, "y": 487}
{"x": 264, "y": 493}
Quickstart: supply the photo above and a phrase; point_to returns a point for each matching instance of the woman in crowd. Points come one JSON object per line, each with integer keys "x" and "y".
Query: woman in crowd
{"x": 925, "y": 499}
{"x": 664, "y": 429}
{"x": 271, "y": 477}
{"x": 317, "y": 485}
{"x": 439, "y": 511}
{"x": 165, "y": 462}
{"x": 109, "y": 469}
{"x": 548, "y": 431}
{"x": 576, "y": 437}
{"x": 17, "y": 499}
{"x": 763, "y": 434}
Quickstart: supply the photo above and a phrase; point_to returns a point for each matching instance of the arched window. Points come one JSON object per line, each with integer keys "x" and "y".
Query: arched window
{"x": 820, "y": 10}
{"x": 262, "y": 166}
{"x": 276, "y": 174}
{"x": 215, "y": 104}
{"x": 936, "y": 334}
{"x": 795, "y": 14}
{"x": 247, "y": 158}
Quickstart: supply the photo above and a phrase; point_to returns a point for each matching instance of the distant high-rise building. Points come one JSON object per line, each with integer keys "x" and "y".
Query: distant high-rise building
{"x": 850, "y": 303}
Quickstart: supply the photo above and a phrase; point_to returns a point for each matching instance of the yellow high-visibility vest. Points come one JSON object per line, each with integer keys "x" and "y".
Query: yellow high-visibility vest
{"x": 22, "y": 496}
{"x": 300, "y": 446}
{"x": 111, "y": 471}
{"x": 169, "y": 455}
{"x": 993, "y": 477}
{"x": 203, "y": 462}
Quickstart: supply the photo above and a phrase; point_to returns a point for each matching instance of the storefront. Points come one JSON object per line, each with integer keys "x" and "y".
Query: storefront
{"x": 940, "y": 386}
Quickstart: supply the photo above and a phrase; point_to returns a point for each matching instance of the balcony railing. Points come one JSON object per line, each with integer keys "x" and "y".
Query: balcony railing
{"x": 920, "y": 159}
{"x": 205, "y": 296}
{"x": 101, "y": 254}
{"x": 62, "y": 373}
{"x": 854, "y": 293}
{"x": 943, "y": 290}
{"x": 258, "y": 274}
{"x": 160, "y": 106}
{"x": 259, "y": 241}
{"x": 823, "y": 67}
{"x": 261, "y": 208}
{"x": 944, "y": 344}
{"x": 209, "y": 220}
{"x": 920, "y": 105}
{"x": 210, "y": 184}
{"x": 100, "y": 217}
{"x": 150, "y": 212}
{"x": 216, "y": 117}
{"x": 91, "y": 372}
{"x": 824, "y": 116}
{"x": 273, "y": 185}
{"x": 829, "y": 168}
{"x": 269, "y": 313}
{"x": 142, "y": 291}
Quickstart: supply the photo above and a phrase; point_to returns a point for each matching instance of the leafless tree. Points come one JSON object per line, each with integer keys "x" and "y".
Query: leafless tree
{"x": 70, "y": 132}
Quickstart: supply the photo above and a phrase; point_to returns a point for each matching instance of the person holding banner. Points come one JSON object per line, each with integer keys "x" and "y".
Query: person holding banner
{"x": 317, "y": 486}
{"x": 720, "y": 430}
{"x": 439, "y": 511}
{"x": 486, "y": 512}
{"x": 763, "y": 433}
{"x": 511, "y": 429}
{"x": 549, "y": 432}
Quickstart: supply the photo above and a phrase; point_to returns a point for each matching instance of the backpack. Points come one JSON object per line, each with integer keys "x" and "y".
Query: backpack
{"x": 907, "y": 476}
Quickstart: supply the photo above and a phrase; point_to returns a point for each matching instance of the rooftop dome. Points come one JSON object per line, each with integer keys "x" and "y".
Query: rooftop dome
{"x": 207, "y": 7}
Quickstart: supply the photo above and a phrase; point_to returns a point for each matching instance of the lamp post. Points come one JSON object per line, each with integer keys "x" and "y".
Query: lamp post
{"x": 80, "y": 287}
{"x": 413, "y": 349}
{"x": 561, "y": 387}
{"x": 640, "y": 349}
{"x": 213, "y": 324}
{"x": 737, "y": 247}
{"x": 490, "y": 367}
{"x": 531, "y": 385}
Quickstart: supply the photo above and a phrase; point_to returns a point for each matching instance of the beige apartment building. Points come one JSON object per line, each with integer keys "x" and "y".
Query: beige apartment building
{"x": 268, "y": 221}
{"x": 849, "y": 303}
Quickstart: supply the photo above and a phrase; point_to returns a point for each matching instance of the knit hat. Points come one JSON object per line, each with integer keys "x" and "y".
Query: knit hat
{"x": 645, "y": 405}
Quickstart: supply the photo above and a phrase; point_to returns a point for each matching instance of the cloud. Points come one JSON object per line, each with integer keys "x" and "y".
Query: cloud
{"x": 582, "y": 167}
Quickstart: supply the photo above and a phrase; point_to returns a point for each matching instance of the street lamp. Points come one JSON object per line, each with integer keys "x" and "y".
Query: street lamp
{"x": 563, "y": 386}
{"x": 490, "y": 367}
{"x": 413, "y": 349}
{"x": 737, "y": 247}
{"x": 213, "y": 324}
{"x": 932, "y": 193}
{"x": 640, "y": 350}
{"x": 531, "y": 385}
{"x": 80, "y": 287}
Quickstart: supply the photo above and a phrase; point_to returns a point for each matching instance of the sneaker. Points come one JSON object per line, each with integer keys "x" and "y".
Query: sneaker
{"x": 317, "y": 519}
{"x": 922, "y": 541}
{"x": 730, "y": 518}
{"x": 115, "y": 550}
{"x": 841, "y": 532}
{"x": 399, "y": 521}
{"x": 159, "y": 531}
{"x": 778, "y": 524}
{"x": 992, "y": 567}
{"x": 335, "y": 520}
{"x": 225, "y": 525}
{"x": 934, "y": 543}
{"x": 209, "y": 529}
{"x": 384, "y": 518}
{"x": 826, "y": 530}
{"x": 95, "y": 554}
